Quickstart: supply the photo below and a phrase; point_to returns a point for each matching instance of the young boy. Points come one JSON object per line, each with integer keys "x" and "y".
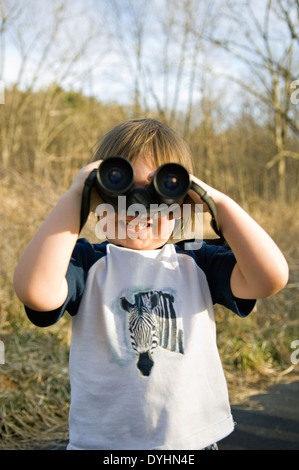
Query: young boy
{"x": 144, "y": 367}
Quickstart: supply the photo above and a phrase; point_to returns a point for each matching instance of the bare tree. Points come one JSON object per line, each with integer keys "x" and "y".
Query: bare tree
{"x": 266, "y": 43}
{"x": 55, "y": 46}
{"x": 176, "y": 76}
{"x": 288, "y": 10}
{"x": 161, "y": 45}
{"x": 129, "y": 33}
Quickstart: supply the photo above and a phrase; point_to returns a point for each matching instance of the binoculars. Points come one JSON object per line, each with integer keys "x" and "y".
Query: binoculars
{"x": 115, "y": 177}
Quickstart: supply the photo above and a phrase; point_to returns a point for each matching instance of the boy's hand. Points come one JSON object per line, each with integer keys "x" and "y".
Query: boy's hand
{"x": 195, "y": 197}
{"x": 78, "y": 183}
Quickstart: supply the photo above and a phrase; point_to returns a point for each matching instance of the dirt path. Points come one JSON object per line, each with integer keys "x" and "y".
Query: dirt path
{"x": 267, "y": 421}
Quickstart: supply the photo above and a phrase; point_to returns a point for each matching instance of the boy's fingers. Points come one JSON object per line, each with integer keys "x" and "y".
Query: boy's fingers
{"x": 150, "y": 175}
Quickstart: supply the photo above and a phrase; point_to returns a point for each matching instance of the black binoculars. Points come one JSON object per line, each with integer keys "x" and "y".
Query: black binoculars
{"x": 115, "y": 177}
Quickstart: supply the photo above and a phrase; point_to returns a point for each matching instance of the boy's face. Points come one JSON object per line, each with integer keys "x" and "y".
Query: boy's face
{"x": 140, "y": 233}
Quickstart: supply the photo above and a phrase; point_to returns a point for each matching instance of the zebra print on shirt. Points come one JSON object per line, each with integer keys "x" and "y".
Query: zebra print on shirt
{"x": 152, "y": 323}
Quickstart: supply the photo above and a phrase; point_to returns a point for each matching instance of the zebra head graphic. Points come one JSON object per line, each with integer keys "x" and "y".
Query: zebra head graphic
{"x": 152, "y": 322}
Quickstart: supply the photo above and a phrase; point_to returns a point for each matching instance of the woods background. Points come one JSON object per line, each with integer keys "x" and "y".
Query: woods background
{"x": 225, "y": 75}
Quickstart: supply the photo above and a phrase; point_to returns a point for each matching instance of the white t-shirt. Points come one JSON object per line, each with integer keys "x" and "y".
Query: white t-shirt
{"x": 144, "y": 365}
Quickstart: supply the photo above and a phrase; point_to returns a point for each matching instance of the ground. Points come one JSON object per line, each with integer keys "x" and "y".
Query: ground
{"x": 267, "y": 421}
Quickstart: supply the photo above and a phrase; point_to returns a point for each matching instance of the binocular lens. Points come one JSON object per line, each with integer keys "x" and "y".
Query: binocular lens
{"x": 115, "y": 175}
{"x": 171, "y": 182}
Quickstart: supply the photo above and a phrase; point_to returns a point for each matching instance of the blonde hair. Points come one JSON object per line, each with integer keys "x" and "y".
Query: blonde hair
{"x": 148, "y": 138}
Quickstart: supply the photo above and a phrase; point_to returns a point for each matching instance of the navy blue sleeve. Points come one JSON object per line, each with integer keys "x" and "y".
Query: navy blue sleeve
{"x": 83, "y": 257}
{"x": 217, "y": 262}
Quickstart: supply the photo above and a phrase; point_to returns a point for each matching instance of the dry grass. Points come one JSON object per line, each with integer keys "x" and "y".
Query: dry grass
{"x": 34, "y": 386}
{"x": 34, "y": 390}
{"x": 34, "y": 382}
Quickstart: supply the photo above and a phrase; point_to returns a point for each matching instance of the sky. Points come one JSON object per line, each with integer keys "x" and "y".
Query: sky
{"x": 94, "y": 50}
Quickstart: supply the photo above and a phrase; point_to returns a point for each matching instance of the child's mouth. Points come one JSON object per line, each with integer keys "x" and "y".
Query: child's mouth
{"x": 135, "y": 227}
